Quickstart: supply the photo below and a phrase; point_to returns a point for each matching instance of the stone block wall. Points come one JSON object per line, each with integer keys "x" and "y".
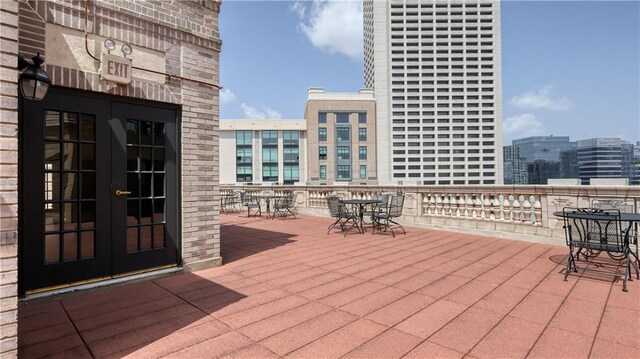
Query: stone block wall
{"x": 8, "y": 178}
{"x": 180, "y": 38}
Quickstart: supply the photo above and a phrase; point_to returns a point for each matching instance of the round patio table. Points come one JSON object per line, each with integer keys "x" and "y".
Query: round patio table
{"x": 267, "y": 200}
{"x": 361, "y": 203}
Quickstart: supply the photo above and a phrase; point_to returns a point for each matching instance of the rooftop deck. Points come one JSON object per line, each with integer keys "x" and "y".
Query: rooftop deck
{"x": 289, "y": 290}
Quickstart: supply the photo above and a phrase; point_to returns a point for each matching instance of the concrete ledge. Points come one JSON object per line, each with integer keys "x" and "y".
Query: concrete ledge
{"x": 203, "y": 264}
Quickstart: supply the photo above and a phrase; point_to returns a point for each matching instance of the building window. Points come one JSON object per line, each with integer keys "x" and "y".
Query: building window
{"x": 322, "y": 134}
{"x": 363, "y": 172}
{"x": 322, "y": 117}
{"x": 243, "y": 155}
{"x": 362, "y": 134}
{"x": 269, "y": 155}
{"x": 243, "y": 138}
{"x": 323, "y": 171}
{"x": 343, "y": 152}
{"x": 343, "y": 173}
{"x": 291, "y": 154}
{"x": 290, "y": 138}
{"x": 342, "y": 118}
{"x": 362, "y": 152}
{"x": 343, "y": 133}
{"x": 291, "y": 174}
{"x": 322, "y": 151}
{"x": 362, "y": 117}
{"x": 269, "y": 138}
{"x": 244, "y": 174}
{"x": 270, "y": 173}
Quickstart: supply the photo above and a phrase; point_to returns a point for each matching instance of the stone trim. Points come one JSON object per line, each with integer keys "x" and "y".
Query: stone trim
{"x": 9, "y": 19}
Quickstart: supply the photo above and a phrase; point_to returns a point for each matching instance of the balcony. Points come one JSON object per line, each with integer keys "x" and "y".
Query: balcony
{"x": 286, "y": 288}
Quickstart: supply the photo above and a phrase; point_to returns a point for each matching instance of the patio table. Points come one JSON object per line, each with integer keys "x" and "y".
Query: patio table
{"x": 361, "y": 203}
{"x": 267, "y": 200}
{"x": 632, "y": 218}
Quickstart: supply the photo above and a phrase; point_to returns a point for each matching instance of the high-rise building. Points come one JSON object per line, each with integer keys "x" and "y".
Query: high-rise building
{"x": 606, "y": 158}
{"x": 534, "y": 160}
{"x": 436, "y": 68}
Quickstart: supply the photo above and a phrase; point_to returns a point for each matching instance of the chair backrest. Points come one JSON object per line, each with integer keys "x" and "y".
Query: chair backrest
{"x": 594, "y": 228}
{"x": 291, "y": 199}
{"x": 333, "y": 202}
{"x": 395, "y": 205}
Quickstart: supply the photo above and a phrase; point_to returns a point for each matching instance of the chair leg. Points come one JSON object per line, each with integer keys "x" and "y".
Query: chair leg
{"x": 570, "y": 260}
{"x": 627, "y": 273}
{"x": 399, "y": 225}
{"x": 333, "y": 225}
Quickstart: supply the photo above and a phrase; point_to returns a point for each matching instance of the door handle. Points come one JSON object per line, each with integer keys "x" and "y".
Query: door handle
{"x": 122, "y": 193}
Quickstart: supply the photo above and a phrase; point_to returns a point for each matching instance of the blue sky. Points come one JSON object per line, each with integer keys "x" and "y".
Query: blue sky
{"x": 569, "y": 68}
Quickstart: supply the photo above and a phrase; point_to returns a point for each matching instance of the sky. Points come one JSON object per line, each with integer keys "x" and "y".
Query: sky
{"x": 569, "y": 68}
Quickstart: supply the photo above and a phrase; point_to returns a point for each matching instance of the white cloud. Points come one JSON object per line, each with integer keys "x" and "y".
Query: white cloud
{"x": 523, "y": 125}
{"x": 541, "y": 99}
{"x": 298, "y": 8}
{"x": 252, "y": 112}
{"x": 333, "y": 26}
{"x": 227, "y": 96}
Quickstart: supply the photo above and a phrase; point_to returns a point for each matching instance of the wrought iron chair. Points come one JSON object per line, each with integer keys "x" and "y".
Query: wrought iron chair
{"x": 252, "y": 202}
{"x": 339, "y": 211}
{"x": 286, "y": 206}
{"x": 591, "y": 231}
{"x": 385, "y": 218}
{"x": 379, "y": 207}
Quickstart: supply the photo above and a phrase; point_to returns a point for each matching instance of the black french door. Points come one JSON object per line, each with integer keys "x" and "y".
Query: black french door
{"x": 98, "y": 188}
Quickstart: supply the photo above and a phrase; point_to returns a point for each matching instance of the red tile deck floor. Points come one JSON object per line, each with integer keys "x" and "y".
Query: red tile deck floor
{"x": 289, "y": 290}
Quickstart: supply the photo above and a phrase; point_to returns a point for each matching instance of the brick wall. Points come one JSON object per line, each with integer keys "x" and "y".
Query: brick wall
{"x": 8, "y": 178}
{"x": 185, "y": 34}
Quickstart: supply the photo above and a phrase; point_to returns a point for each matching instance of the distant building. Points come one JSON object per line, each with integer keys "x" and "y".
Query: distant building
{"x": 607, "y": 158}
{"x": 435, "y": 67}
{"x": 534, "y": 160}
{"x": 265, "y": 151}
{"x": 342, "y": 137}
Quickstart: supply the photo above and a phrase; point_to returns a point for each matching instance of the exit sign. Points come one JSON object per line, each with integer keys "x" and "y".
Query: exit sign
{"x": 115, "y": 68}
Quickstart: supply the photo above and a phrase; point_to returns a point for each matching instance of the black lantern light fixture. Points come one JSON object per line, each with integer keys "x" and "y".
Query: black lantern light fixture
{"x": 34, "y": 81}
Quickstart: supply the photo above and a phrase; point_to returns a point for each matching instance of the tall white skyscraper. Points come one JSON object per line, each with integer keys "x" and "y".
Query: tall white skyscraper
{"x": 436, "y": 69}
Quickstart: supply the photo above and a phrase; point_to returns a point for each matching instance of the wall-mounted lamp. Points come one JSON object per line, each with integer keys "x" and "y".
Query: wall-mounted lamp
{"x": 34, "y": 81}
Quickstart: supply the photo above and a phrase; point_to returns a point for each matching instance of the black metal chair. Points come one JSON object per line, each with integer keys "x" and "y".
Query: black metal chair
{"x": 591, "y": 231}
{"x": 378, "y": 207}
{"x": 385, "y": 218}
{"x": 339, "y": 211}
{"x": 286, "y": 206}
{"x": 252, "y": 202}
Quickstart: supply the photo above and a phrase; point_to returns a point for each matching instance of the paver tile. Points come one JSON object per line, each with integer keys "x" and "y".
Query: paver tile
{"x": 374, "y": 301}
{"x": 401, "y": 309}
{"x": 605, "y": 349}
{"x": 537, "y": 307}
{"x": 578, "y": 316}
{"x": 511, "y": 338}
{"x": 430, "y": 319}
{"x": 502, "y": 300}
{"x": 270, "y": 326}
{"x": 556, "y": 343}
{"x": 432, "y": 350}
{"x": 307, "y": 332}
{"x": 341, "y": 341}
{"x": 390, "y": 344}
{"x": 620, "y": 326}
{"x": 474, "y": 323}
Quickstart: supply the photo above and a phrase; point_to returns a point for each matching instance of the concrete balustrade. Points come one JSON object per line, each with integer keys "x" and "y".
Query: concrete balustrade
{"x": 516, "y": 212}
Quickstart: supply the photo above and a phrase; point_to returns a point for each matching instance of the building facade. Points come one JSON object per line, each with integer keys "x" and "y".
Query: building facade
{"x": 436, "y": 69}
{"x": 535, "y": 160}
{"x": 115, "y": 171}
{"x": 263, "y": 151}
{"x": 342, "y": 137}
{"x": 606, "y": 158}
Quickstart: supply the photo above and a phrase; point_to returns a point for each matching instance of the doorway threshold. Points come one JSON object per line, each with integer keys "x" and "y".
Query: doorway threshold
{"x": 99, "y": 282}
